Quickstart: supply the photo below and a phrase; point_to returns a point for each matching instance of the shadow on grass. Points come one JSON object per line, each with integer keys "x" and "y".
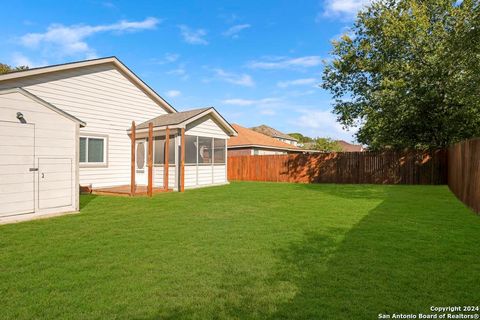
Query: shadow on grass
{"x": 86, "y": 199}
{"x": 404, "y": 256}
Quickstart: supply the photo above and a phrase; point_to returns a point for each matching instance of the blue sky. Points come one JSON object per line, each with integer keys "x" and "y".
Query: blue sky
{"x": 257, "y": 62}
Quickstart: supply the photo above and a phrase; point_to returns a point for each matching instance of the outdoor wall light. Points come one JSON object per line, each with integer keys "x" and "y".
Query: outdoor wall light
{"x": 20, "y": 117}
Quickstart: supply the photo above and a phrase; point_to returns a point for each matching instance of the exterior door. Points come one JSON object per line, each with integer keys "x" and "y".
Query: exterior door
{"x": 54, "y": 183}
{"x": 17, "y": 168}
{"x": 141, "y": 162}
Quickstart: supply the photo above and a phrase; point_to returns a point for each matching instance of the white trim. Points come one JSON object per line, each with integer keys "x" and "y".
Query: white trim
{"x": 87, "y": 164}
{"x": 44, "y": 103}
{"x": 182, "y": 125}
{"x": 87, "y": 63}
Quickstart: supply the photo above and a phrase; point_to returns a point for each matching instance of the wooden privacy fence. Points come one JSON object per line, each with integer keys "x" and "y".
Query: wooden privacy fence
{"x": 464, "y": 172}
{"x": 387, "y": 167}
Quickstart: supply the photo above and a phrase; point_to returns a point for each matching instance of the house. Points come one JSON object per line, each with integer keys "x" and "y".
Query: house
{"x": 88, "y": 123}
{"x": 274, "y": 133}
{"x": 349, "y": 147}
{"x": 250, "y": 142}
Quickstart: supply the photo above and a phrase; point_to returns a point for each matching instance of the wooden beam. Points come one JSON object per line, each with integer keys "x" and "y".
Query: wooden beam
{"x": 132, "y": 162}
{"x": 150, "y": 160}
{"x": 182, "y": 161}
{"x": 165, "y": 165}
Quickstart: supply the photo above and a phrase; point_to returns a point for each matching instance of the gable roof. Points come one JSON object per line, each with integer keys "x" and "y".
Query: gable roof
{"x": 181, "y": 119}
{"x": 44, "y": 103}
{"x": 172, "y": 118}
{"x": 249, "y": 138}
{"x": 272, "y": 132}
{"x": 88, "y": 63}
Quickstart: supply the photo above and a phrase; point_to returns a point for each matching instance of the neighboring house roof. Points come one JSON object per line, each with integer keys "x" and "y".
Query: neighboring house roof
{"x": 249, "y": 138}
{"x": 181, "y": 119}
{"x": 349, "y": 147}
{"x": 271, "y": 132}
{"x": 88, "y": 63}
{"x": 45, "y": 104}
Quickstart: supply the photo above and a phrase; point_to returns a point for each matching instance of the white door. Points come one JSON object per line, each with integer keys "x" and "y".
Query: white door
{"x": 141, "y": 162}
{"x": 17, "y": 165}
{"x": 54, "y": 183}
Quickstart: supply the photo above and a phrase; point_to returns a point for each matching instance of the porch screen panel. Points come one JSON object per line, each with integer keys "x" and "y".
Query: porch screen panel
{"x": 159, "y": 150}
{"x": 205, "y": 150}
{"x": 191, "y": 150}
{"x": 219, "y": 151}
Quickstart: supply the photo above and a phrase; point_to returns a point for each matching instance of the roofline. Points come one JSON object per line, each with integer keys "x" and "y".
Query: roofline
{"x": 184, "y": 123}
{"x": 86, "y": 63}
{"x": 290, "y": 137}
{"x": 44, "y": 103}
{"x": 240, "y": 146}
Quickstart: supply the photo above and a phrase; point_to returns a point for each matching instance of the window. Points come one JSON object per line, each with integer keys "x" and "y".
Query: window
{"x": 219, "y": 151}
{"x": 191, "y": 150}
{"x": 159, "y": 150}
{"x": 92, "y": 150}
{"x": 204, "y": 150}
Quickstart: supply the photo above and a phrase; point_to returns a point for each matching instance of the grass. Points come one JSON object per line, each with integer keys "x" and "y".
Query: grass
{"x": 245, "y": 251}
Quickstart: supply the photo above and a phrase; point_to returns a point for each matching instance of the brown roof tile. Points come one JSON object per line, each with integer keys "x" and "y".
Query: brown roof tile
{"x": 247, "y": 137}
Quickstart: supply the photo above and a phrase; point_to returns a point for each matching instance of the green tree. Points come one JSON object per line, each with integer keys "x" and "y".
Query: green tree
{"x": 5, "y": 68}
{"x": 300, "y": 137}
{"x": 326, "y": 144}
{"x": 408, "y": 74}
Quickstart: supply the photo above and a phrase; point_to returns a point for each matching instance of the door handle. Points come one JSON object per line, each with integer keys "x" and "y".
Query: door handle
{"x": 33, "y": 169}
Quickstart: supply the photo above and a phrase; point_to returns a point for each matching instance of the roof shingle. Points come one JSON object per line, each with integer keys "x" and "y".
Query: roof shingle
{"x": 247, "y": 137}
{"x": 172, "y": 118}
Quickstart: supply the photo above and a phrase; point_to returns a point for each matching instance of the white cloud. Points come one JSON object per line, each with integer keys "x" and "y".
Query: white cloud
{"x": 180, "y": 71}
{"x": 235, "y": 30}
{"x": 193, "y": 36}
{"x": 19, "y": 59}
{"x": 70, "y": 40}
{"x": 297, "y": 82}
{"x": 343, "y": 8}
{"x": 251, "y": 102}
{"x": 167, "y": 58}
{"x": 238, "y": 79}
{"x": 286, "y": 63}
{"x": 173, "y": 93}
{"x": 322, "y": 123}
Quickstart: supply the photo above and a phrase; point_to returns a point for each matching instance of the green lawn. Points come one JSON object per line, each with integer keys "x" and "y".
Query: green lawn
{"x": 247, "y": 250}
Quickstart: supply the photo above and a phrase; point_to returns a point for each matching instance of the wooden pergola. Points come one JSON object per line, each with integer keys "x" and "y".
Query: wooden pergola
{"x": 133, "y": 186}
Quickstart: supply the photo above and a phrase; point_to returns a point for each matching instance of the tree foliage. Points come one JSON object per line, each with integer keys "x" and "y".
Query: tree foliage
{"x": 300, "y": 137}
{"x": 5, "y": 68}
{"x": 408, "y": 74}
{"x": 326, "y": 144}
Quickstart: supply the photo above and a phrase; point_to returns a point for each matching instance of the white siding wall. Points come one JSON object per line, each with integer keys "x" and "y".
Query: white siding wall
{"x": 108, "y": 102}
{"x": 55, "y": 142}
{"x": 206, "y": 127}
{"x": 158, "y": 176}
{"x": 204, "y": 175}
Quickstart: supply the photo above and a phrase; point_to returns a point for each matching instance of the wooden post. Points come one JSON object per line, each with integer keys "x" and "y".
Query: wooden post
{"x": 150, "y": 159}
{"x": 182, "y": 161}
{"x": 165, "y": 166}
{"x": 132, "y": 163}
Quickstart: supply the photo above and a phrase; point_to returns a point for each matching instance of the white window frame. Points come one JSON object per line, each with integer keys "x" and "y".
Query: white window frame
{"x": 87, "y": 164}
